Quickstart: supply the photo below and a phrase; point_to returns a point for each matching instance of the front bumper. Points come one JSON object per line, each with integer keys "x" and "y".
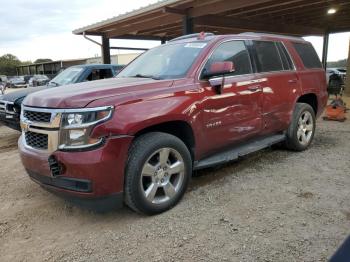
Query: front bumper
{"x": 85, "y": 177}
{"x": 10, "y": 120}
{"x": 18, "y": 85}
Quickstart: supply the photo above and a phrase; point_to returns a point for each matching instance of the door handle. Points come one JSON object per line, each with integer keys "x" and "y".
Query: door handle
{"x": 254, "y": 88}
{"x": 292, "y": 81}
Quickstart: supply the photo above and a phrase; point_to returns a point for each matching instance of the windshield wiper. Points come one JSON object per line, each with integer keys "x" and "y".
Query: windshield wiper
{"x": 147, "y": 76}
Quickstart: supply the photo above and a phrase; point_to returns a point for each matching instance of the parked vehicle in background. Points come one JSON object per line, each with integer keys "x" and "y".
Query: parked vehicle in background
{"x": 340, "y": 72}
{"x": 82, "y": 73}
{"x": 3, "y": 84}
{"x": 118, "y": 68}
{"x": 38, "y": 80}
{"x": 197, "y": 101}
{"x": 17, "y": 82}
{"x": 10, "y": 104}
{"x": 27, "y": 78}
{"x": 335, "y": 80}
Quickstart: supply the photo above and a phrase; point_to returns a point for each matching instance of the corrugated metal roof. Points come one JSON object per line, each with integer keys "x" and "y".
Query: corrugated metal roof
{"x": 141, "y": 10}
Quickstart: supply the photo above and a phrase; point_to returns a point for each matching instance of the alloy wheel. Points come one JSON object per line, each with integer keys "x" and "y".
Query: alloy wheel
{"x": 305, "y": 128}
{"x": 162, "y": 176}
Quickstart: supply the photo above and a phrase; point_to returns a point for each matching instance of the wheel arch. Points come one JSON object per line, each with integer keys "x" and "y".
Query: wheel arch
{"x": 310, "y": 99}
{"x": 179, "y": 128}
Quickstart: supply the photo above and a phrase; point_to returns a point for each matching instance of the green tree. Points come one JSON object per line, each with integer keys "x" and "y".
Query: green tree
{"x": 339, "y": 63}
{"x": 8, "y": 64}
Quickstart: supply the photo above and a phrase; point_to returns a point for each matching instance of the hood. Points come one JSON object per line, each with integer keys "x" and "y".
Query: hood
{"x": 13, "y": 96}
{"x": 81, "y": 94}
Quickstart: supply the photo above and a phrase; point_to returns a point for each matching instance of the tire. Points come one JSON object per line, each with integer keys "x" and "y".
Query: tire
{"x": 302, "y": 128}
{"x": 152, "y": 185}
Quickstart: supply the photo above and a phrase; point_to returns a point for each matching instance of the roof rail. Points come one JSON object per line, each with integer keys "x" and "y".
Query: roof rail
{"x": 271, "y": 35}
{"x": 197, "y": 35}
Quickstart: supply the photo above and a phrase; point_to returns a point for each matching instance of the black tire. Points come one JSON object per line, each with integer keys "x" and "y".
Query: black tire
{"x": 141, "y": 150}
{"x": 292, "y": 141}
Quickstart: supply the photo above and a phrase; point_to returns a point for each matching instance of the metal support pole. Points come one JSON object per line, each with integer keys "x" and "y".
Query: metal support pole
{"x": 347, "y": 80}
{"x": 325, "y": 49}
{"x": 106, "y": 54}
{"x": 187, "y": 25}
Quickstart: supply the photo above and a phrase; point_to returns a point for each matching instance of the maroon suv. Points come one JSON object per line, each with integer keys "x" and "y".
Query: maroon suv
{"x": 197, "y": 101}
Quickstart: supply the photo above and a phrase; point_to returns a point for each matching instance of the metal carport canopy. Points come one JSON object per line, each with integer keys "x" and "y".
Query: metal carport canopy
{"x": 167, "y": 19}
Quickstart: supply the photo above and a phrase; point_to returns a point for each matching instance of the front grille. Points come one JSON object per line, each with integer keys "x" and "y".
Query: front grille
{"x": 10, "y": 108}
{"x": 2, "y": 106}
{"x": 37, "y": 116}
{"x": 7, "y": 107}
{"x": 36, "y": 140}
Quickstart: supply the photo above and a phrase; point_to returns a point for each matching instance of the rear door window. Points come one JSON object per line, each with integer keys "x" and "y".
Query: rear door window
{"x": 308, "y": 55}
{"x": 268, "y": 57}
{"x": 232, "y": 51}
{"x": 286, "y": 60}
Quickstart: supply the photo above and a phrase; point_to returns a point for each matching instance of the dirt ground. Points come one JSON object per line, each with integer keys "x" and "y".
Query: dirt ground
{"x": 274, "y": 205}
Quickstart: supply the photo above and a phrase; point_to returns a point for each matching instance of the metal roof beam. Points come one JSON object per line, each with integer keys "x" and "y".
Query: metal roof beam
{"x": 223, "y": 6}
{"x": 220, "y": 21}
{"x": 135, "y": 28}
{"x": 139, "y": 37}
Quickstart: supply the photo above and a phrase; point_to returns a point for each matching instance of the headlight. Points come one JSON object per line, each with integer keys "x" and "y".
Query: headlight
{"x": 76, "y": 127}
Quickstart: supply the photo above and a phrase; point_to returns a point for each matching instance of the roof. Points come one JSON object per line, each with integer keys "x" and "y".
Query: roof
{"x": 55, "y": 62}
{"x": 127, "y": 15}
{"x": 94, "y": 65}
{"x": 164, "y": 19}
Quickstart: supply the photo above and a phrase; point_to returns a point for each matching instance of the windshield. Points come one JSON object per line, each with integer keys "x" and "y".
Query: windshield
{"x": 68, "y": 76}
{"x": 164, "y": 62}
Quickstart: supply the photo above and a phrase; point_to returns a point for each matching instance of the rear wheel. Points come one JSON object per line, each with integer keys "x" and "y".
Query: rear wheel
{"x": 302, "y": 128}
{"x": 157, "y": 173}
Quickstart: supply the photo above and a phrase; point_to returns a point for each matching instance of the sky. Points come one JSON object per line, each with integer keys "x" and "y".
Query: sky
{"x": 43, "y": 29}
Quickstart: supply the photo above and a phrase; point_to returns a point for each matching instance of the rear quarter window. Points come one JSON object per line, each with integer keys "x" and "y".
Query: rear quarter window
{"x": 308, "y": 55}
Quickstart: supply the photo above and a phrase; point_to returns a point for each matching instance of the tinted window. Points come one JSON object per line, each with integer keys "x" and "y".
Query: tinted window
{"x": 308, "y": 55}
{"x": 268, "y": 56}
{"x": 286, "y": 60}
{"x": 234, "y": 51}
{"x": 97, "y": 74}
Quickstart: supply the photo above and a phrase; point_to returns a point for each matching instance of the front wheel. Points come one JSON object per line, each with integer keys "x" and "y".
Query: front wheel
{"x": 302, "y": 128}
{"x": 157, "y": 173}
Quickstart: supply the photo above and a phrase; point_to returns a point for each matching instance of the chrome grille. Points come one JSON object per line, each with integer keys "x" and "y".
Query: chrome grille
{"x": 44, "y": 117}
{"x": 40, "y": 128}
{"x": 7, "y": 107}
{"x": 36, "y": 140}
{"x": 2, "y": 106}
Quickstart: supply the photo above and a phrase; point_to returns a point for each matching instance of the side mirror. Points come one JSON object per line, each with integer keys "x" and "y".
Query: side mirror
{"x": 217, "y": 73}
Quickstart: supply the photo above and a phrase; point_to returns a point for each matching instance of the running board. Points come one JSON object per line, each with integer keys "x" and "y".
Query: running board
{"x": 239, "y": 151}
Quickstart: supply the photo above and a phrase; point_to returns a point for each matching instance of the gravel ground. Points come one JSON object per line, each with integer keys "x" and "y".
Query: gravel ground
{"x": 274, "y": 205}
